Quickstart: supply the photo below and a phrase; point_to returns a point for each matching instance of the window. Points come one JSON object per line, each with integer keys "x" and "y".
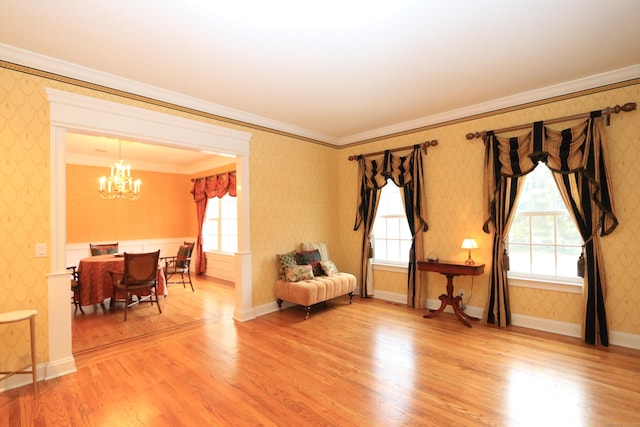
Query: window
{"x": 543, "y": 242}
{"x": 391, "y": 234}
{"x": 220, "y": 228}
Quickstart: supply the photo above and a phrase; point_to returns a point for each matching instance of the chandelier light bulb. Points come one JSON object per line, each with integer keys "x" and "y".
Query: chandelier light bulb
{"x": 120, "y": 184}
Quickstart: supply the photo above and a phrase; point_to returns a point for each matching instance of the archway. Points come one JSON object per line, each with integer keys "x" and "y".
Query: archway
{"x": 72, "y": 112}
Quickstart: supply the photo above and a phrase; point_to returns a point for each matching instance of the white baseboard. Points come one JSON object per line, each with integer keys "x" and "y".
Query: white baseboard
{"x": 44, "y": 372}
{"x": 270, "y": 307}
{"x": 244, "y": 315}
{"x": 58, "y": 368}
{"x": 390, "y": 296}
{"x": 20, "y": 380}
{"x": 622, "y": 339}
{"x": 546, "y": 325}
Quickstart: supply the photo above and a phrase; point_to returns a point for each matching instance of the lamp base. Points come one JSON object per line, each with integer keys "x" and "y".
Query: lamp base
{"x": 469, "y": 261}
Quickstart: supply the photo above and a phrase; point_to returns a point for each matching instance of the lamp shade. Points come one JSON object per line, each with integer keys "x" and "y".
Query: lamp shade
{"x": 469, "y": 244}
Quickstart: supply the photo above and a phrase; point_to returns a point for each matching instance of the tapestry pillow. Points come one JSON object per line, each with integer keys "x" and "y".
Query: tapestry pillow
{"x": 305, "y": 257}
{"x": 299, "y": 272}
{"x": 316, "y": 267}
{"x": 329, "y": 267}
{"x": 286, "y": 260}
{"x": 322, "y": 247}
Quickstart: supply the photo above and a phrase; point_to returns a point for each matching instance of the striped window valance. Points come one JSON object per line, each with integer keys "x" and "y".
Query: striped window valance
{"x": 579, "y": 148}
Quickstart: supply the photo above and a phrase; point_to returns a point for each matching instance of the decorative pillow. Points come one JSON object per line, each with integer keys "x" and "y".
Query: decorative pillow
{"x": 322, "y": 247}
{"x": 184, "y": 253}
{"x": 316, "y": 267}
{"x": 299, "y": 272}
{"x": 286, "y": 260}
{"x": 306, "y": 257}
{"x": 329, "y": 267}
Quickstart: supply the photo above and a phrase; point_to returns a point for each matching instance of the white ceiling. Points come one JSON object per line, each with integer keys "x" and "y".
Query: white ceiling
{"x": 336, "y": 71}
{"x": 104, "y": 151}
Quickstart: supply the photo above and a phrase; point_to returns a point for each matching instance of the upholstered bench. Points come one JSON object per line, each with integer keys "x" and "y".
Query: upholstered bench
{"x": 313, "y": 291}
{"x": 308, "y": 277}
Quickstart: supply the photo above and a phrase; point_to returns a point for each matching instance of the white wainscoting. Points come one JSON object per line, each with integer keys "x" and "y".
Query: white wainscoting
{"x": 168, "y": 247}
{"x": 221, "y": 266}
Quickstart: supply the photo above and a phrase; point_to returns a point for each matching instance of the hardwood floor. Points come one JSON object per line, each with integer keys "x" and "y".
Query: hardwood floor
{"x": 99, "y": 328}
{"x": 371, "y": 363}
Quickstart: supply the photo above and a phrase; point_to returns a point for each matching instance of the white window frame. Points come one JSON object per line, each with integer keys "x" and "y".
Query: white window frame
{"x": 538, "y": 281}
{"x": 391, "y": 191}
{"x": 221, "y": 232}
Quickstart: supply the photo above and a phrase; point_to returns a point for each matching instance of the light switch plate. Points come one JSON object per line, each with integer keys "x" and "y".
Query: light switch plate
{"x": 41, "y": 250}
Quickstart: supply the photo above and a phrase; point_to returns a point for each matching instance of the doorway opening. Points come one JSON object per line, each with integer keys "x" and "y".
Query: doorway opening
{"x": 78, "y": 113}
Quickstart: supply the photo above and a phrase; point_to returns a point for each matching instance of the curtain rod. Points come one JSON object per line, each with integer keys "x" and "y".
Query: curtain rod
{"x": 629, "y": 106}
{"x": 210, "y": 176}
{"x": 425, "y": 145}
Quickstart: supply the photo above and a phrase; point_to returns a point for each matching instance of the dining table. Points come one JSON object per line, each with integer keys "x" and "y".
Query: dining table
{"x": 96, "y": 284}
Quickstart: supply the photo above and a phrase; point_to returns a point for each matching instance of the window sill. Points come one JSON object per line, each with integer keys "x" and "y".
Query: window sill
{"x": 388, "y": 266}
{"x": 549, "y": 285}
{"x": 219, "y": 253}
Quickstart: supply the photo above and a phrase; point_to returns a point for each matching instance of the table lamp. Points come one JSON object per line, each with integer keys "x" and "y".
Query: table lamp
{"x": 469, "y": 244}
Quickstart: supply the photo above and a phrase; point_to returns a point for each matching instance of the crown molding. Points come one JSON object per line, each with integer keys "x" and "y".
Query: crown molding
{"x": 586, "y": 83}
{"x": 63, "y": 68}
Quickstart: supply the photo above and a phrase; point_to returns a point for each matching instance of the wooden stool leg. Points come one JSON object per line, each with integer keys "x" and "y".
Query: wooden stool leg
{"x": 32, "y": 329}
{"x": 19, "y": 316}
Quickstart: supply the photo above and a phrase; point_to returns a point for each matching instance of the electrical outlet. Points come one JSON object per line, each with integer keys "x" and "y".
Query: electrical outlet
{"x": 461, "y": 293}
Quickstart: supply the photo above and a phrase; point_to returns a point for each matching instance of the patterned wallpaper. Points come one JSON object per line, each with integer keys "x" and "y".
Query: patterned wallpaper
{"x": 24, "y": 213}
{"x": 293, "y": 186}
{"x": 307, "y": 192}
{"x": 454, "y": 198}
{"x": 293, "y": 200}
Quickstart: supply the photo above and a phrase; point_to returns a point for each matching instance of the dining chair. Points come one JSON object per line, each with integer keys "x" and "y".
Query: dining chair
{"x": 180, "y": 264}
{"x": 140, "y": 275}
{"x": 75, "y": 288}
{"x": 103, "y": 249}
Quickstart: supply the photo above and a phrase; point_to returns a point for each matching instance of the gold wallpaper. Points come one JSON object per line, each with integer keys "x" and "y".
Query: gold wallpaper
{"x": 454, "y": 208}
{"x": 293, "y": 200}
{"x": 302, "y": 191}
{"x": 24, "y": 213}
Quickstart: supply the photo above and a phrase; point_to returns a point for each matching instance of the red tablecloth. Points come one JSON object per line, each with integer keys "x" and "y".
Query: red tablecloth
{"x": 96, "y": 284}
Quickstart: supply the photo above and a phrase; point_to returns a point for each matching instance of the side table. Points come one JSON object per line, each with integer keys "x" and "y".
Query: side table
{"x": 451, "y": 269}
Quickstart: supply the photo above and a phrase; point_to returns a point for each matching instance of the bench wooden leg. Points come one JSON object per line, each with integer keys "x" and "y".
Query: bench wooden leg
{"x": 280, "y": 304}
{"x": 308, "y": 312}
{"x": 350, "y": 297}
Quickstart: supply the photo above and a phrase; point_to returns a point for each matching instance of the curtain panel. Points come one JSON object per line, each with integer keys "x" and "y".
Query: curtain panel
{"x": 204, "y": 189}
{"x": 405, "y": 172}
{"x": 577, "y": 156}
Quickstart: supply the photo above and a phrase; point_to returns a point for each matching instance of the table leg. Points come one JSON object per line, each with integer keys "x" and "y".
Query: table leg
{"x": 444, "y": 302}
{"x": 454, "y": 301}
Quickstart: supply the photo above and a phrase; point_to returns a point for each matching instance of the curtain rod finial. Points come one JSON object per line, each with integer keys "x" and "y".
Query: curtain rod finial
{"x": 629, "y": 106}
{"x": 428, "y": 144}
{"x": 474, "y": 135}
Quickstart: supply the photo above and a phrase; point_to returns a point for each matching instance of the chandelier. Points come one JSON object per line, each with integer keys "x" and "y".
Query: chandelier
{"x": 120, "y": 185}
